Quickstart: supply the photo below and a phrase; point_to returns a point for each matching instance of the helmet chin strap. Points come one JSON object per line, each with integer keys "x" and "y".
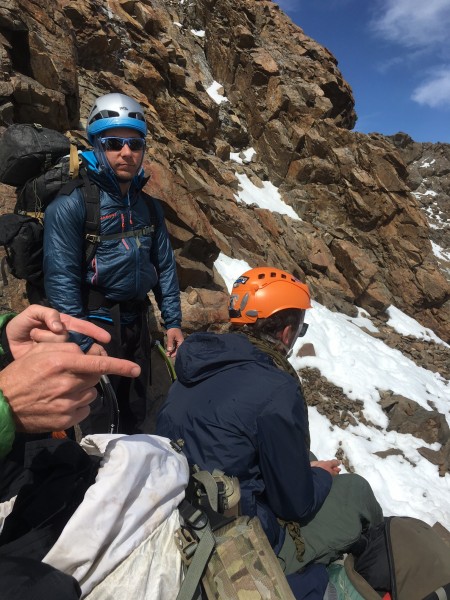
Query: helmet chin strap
{"x": 101, "y": 157}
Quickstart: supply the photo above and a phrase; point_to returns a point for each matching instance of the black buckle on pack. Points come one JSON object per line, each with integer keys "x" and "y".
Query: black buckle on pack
{"x": 193, "y": 517}
{"x": 91, "y": 238}
{"x": 187, "y": 537}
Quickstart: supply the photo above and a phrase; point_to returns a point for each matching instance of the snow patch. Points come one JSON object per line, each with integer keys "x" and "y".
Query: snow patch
{"x": 266, "y": 197}
{"x": 243, "y": 157}
{"x": 215, "y": 91}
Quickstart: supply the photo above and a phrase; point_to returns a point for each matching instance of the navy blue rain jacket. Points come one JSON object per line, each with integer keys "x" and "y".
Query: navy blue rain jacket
{"x": 122, "y": 269}
{"x": 240, "y": 413}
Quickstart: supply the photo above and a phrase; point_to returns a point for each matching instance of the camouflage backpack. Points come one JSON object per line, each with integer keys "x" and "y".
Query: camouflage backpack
{"x": 229, "y": 553}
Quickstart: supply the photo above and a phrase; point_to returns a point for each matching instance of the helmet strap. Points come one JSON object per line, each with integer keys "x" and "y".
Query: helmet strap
{"x": 100, "y": 156}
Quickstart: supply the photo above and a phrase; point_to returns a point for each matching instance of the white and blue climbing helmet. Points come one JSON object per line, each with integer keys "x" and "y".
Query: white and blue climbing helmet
{"x": 113, "y": 111}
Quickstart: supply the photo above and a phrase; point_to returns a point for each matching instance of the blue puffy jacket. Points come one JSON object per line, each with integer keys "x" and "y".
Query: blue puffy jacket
{"x": 238, "y": 412}
{"x": 122, "y": 269}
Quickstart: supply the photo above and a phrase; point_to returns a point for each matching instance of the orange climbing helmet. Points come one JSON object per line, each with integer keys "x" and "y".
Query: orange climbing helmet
{"x": 261, "y": 292}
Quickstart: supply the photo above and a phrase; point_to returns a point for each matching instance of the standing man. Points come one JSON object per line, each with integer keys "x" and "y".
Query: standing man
{"x": 238, "y": 406}
{"x": 133, "y": 255}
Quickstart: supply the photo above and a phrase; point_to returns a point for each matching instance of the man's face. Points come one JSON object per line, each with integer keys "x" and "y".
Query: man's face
{"x": 124, "y": 161}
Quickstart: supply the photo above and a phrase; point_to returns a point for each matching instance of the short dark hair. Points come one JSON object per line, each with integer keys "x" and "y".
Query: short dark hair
{"x": 274, "y": 324}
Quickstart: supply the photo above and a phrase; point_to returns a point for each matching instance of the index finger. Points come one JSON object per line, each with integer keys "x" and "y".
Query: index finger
{"x": 86, "y": 328}
{"x": 90, "y": 364}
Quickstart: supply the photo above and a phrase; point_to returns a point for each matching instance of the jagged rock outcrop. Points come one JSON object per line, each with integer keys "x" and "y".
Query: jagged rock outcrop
{"x": 429, "y": 178}
{"x": 362, "y": 239}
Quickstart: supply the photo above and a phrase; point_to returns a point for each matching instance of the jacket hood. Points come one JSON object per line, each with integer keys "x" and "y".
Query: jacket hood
{"x": 106, "y": 179}
{"x": 203, "y": 354}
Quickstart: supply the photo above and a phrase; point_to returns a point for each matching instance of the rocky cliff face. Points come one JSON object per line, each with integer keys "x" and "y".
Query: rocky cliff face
{"x": 429, "y": 179}
{"x": 362, "y": 238}
{"x": 365, "y": 212}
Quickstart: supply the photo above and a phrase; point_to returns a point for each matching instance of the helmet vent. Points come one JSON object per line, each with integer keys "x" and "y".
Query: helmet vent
{"x": 136, "y": 115}
{"x": 244, "y": 301}
{"x": 104, "y": 114}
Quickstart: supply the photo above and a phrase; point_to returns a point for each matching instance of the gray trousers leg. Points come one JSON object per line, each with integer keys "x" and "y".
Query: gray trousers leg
{"x": 348, "y": 509}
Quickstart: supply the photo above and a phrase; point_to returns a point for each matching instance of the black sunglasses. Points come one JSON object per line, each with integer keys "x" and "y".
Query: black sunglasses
{"x": 117, "y": 143}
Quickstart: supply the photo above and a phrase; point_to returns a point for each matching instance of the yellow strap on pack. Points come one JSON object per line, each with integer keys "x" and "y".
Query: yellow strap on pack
{"x": 74, "y": 162}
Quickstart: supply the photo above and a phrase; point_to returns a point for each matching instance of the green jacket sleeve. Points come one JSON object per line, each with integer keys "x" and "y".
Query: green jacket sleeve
{"x": 7, "y": 427}
{"x": 5, "y": 354}
{"x": 5, "y": 318}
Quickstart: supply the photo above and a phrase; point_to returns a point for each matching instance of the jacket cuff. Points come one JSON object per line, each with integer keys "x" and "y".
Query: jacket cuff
{"x": 5, "y": 353}
{"x": 175, "y": 325}
{"x": 83, "y": 341}
{"x": 7, "y": 426}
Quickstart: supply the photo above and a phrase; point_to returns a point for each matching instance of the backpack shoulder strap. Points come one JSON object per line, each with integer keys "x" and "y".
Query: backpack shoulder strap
{"x": 91, "y": 197}
{"x": 195, "y": 538}
{"x": 201, "y": 549}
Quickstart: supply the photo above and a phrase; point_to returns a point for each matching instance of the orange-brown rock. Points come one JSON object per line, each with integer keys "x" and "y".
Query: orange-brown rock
{"x": 363, "y": 237}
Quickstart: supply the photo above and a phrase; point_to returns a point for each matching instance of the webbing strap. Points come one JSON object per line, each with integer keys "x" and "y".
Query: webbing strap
{"x": 92, "y": 201}
{"x": 189, "y": 587}
{"x": 210, "y": 485}
{"x": 96, "y": 239}
{"x": 91, "y": 197}
{"x": 74, "y": 162}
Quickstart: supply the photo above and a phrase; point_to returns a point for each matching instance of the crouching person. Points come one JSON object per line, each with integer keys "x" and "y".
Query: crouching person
{"x": 238, "y": 405}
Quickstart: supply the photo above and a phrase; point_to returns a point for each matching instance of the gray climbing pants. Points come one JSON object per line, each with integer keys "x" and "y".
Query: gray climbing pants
{"x": 348, "y": 509}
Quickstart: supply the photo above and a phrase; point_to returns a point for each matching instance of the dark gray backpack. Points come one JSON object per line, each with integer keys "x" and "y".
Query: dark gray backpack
{"x": 40, "y": 163}
{"x": 27, "y": 150}
{"x": 404, "y": 557}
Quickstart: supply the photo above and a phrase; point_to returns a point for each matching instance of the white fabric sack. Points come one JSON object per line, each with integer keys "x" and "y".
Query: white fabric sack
{"x": 153, "y": 571}
{"x": 140, "y": 483}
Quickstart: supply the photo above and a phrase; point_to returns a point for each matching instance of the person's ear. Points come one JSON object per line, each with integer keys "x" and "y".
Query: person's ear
{"x": 286, "y": 335}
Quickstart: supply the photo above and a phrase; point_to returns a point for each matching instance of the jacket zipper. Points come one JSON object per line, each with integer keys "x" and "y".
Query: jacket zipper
{"x": 135, "y": 245}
